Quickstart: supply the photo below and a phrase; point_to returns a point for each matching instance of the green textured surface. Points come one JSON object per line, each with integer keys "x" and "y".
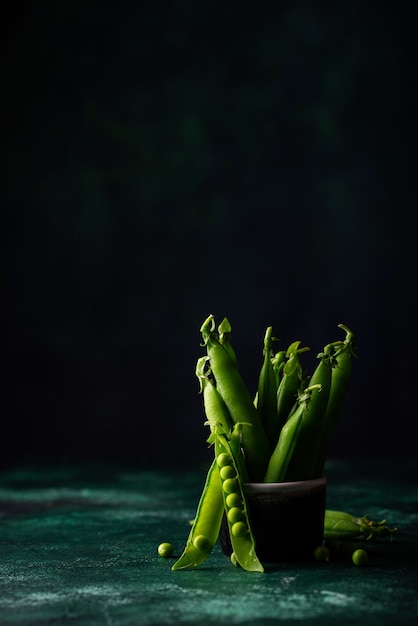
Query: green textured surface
{"x": 79, "y": 547}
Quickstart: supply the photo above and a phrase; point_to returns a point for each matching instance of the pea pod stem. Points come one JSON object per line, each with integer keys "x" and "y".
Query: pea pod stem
{"x": 225, "y": 330}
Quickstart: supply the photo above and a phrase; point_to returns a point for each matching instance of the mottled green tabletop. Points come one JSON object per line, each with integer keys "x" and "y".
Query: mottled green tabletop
{"x": 79, "y": 546}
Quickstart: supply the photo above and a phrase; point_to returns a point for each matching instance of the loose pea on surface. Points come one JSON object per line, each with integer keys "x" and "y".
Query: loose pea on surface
{"x": 360, "y": 557}
{"x": 321, "y": 553}
{"x": 165, "y": 549}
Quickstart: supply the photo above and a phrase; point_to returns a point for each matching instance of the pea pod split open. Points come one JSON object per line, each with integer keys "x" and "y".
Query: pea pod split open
{"x": 206, "y": 525}
{"x": 236, "y": 509}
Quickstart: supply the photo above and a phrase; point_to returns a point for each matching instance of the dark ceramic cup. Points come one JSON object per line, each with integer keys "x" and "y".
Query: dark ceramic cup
{"x": 287, "y": 519}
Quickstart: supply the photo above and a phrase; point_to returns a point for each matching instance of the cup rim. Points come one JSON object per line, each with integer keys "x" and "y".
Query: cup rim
{"x": 294, "y": 486}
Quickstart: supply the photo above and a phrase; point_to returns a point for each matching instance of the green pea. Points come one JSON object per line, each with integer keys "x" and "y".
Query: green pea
{"x": 360, "y": 557}
{"x": 239, "y": 529}
{"x": 201, "y": 543}
{"x": 321, "y": 553}
{"x": 233, "y": 499}
{"x": 230, "y": 485}
{"x": 227, "y": 471}
{"x": 223, "y": 459}
{"x": 234, "y": 515}
{"x": 165, "y": 549}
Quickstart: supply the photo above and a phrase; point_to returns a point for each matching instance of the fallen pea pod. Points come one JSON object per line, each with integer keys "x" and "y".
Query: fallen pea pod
{"x": 342, "y": 525}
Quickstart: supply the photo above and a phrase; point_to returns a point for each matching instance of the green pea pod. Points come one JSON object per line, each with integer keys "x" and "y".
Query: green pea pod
{"x": 224, "y": 330}
{"x": 283, "y": 452}
{"x": 304, "y": 460}
{"x": 206, "y": 525}
{"x": 235, "y": 507}
{"x": 287, "y": 392}
{"x": 238, "y": 402}
{"x": 342, "y": 352}
{"x": 267, "y": 393}
{"x": 278, "y": 361}
{"x": 342, "y": 525}
{"x": 215, "y": 409}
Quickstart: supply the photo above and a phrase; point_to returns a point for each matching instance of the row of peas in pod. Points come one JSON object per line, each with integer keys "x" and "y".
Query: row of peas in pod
{"x": 281, "y": 434}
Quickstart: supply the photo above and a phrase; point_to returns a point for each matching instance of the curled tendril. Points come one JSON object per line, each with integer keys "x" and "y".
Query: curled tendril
{"x": 371, "y": 528}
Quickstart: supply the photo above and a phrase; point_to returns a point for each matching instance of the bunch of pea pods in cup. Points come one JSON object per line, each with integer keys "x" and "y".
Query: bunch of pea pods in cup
{"x": 265, "y": 489}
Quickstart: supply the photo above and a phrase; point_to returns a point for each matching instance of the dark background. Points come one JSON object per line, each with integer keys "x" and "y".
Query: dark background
{"x": 162, "y": 162}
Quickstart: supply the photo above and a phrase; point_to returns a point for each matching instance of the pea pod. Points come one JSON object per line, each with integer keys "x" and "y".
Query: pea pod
{"x": 206, "y": 525}
{"x": 278, "y": 361}
{"x": 283, "y": 452}
{"x": 238, "y": 402}
{"x": 342, "y": 352}
{"x": 287, "y": 391}
{"x": 267, "y": 393}
{"x": 224, "y": 330}
{"x": 303, "y": 463}
{"x": 235, "y": 506}
{"x": 342, "y": 525}
{"x": 215, "y": 409}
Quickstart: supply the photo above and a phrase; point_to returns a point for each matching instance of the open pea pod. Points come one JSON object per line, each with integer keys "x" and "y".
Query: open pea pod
{"x": 206, "y": 525}
{"x": 235, "y": 506}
